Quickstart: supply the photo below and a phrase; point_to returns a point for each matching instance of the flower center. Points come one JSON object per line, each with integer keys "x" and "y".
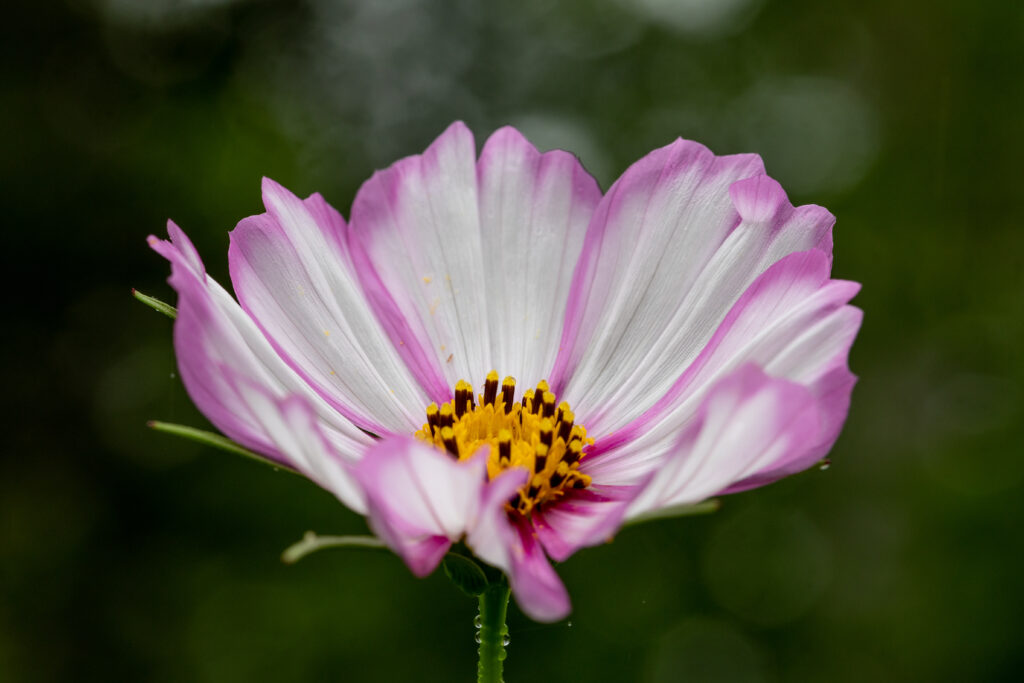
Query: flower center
{"x": 534, "y": 434}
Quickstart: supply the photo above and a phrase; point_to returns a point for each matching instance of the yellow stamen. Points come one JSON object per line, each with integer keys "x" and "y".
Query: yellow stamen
{"x": 533, "y": 434}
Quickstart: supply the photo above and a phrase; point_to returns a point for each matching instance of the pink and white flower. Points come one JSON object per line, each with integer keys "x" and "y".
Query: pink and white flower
{"x": 687, "y": 316}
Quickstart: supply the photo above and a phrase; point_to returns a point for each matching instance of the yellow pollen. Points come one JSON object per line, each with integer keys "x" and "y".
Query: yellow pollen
{"x": 536, "y": 434}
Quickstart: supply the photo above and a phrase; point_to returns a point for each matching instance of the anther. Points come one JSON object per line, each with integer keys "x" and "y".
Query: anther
{"x": 433, "y": 417}
{"x": 528, "y": 403}
{"x": 559, "y": 476}
{"x": 573, "y": 453}
{"x": 563, "y": 408}
{"x": 446, "y": 418}
{"x": 540, "y": 457}
{"x": 547, "y": 432}
{"x": 463, "y": 397}
{"x": 491, "y": 387}
{"x": 565, "y": 424}
{"x": 508, "y": 391}
{"x": 450, "y": 445}
{"x": 535, "y": 485}
{"x": 504, "y": 445}
{"x": 549, "y": 404}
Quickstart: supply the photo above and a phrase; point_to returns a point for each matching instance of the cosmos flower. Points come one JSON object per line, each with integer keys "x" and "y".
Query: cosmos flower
{"x": 676, "y": 338}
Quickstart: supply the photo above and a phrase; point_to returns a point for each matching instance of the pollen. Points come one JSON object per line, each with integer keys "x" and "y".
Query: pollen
{"x": 536, "y": 433}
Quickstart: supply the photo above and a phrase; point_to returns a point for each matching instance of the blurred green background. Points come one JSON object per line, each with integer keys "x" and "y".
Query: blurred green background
{"x": 131, "y": 556}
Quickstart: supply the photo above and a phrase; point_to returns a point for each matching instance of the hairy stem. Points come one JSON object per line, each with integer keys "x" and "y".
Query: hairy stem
{"x": 493, "y": 607}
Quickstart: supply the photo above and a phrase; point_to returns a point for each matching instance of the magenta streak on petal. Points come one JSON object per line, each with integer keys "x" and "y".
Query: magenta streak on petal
{"x": 201, "y": 374}
{"x": 641, "y": 179}
{"x": 534, "y": 211}
{"x": 441, "y": 184}
{"x": 538, "y": 590}
{"x": 812, "y": 264}
{"x": 832, "y": 393}
{"x": 421, "y": 547}
{"x": 582, "y": 518}
{"x": 420, "y": 501}
{"x": 410, "y": 347}
{"x": 238, "y": 266}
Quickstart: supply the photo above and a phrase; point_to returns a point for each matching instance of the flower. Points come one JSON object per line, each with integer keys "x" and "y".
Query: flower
{"x": 679, "y": 337}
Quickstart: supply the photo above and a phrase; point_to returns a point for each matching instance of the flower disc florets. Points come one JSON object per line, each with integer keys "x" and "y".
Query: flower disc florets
{"x": 534, "y": 433}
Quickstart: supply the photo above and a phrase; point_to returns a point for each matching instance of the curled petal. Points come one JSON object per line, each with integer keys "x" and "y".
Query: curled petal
{"x": 583, "y": 518}
{"x": 293, "y": 274}
{"x": 294, "y": 429}
{"x": 748, "y": 423}
{"x": 511, "y": 545}
{"x": 420, "y": 500}
{"x": 219, "y": 348}
{"x": 671, "y": 247}
{"x": 794, "y": 322}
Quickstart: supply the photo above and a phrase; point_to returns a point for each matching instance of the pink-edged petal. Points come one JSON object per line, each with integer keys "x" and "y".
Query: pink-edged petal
{"x": 218, "y": 346}
{"x": 534, "y": 212}
{"x": 672, "y": 246}
{"x": 477, "y": 256}
{"x": 511, "y": 545}
{"x": 793, "y": 321}
{"x": 293, "y": 274}
{"x": 538, "y": 590}
{"x": 420, "y": 500}
{"x": 418, "y": 226}
{"x": 295, "y": 430}
{"x": 583, "y": 518}
{"x": 748, "y": 424}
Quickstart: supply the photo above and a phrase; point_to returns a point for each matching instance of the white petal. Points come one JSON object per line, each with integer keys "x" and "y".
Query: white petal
{"x": 749, "y": 422}
{"x": 218, "y": 346}
{"x": 478, "y": 257}
{"x": 419, "y": 224}
{"x": 672, "y": 246}
{"x": 534, "y": 211}
{"x": 292, "y": 272}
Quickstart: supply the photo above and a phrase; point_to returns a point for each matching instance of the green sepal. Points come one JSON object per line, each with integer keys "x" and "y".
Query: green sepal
{"x": 466, "y": 574}
{"x": 311, "y": 543}
{"x": 157, "y": 305}
{"x": 217, "y": 441}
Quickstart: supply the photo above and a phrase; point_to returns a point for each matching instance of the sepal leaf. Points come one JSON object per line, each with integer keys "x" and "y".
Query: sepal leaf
{"x": 703, "y": 508}
{"x": 311, "y": 543}
{"x": 157, "y": 305}
{"x": 466, "y": 574}
{"x": 215, "y": 440}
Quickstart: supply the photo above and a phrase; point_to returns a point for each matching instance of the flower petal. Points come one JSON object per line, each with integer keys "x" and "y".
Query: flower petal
{"x": 793, "y": 321}
{"x": 748, "y": 423}
{"x": 292, "y": 272}
{"x": 420, "y": 500}
{"x": 538, "y": 590}
{"x": 512, "y": 546}
{"x": 477, "y": 257}
{"x": 583, "y": 518}
{"x": 294, "y": 429}
{"x": 418, "y": 223}
{"x": 218, "y": 346}
{"x": 672, "y": 246}
{"x": 534, "y": 211}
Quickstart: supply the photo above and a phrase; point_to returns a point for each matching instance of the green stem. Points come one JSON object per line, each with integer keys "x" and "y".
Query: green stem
{"x": 493, "y": 607}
